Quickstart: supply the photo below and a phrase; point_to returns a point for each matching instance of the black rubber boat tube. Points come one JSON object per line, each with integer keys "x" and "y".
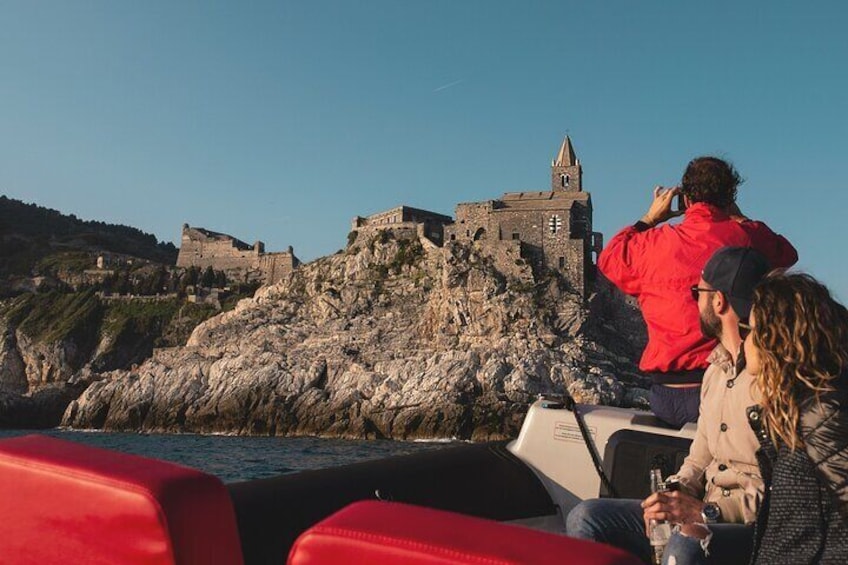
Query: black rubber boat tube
{"x": 482, "y": 480}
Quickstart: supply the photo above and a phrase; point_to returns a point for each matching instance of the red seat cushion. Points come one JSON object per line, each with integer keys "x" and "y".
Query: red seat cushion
{"x": 371, "y": 532}
{"x": 64, "y": 502}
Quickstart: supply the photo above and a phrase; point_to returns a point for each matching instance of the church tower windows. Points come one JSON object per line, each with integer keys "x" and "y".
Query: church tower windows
{"x": 566, "y": 172}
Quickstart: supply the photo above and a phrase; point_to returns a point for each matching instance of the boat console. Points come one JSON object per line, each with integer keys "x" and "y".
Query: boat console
{"x": 629, "y": 443}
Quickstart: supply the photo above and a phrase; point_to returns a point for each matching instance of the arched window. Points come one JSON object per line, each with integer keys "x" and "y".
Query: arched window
{"x": 563, "y": 178}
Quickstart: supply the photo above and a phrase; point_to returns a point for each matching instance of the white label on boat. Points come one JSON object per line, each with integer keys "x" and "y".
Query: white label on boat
{"x": 564, "y": 431}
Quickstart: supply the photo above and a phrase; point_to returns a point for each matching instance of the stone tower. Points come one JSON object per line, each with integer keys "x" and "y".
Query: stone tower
{"x": 566, "y": 172}
{"x": 549, "y": 229}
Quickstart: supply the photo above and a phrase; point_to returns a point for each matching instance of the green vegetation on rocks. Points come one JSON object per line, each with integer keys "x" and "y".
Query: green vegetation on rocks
{"x": 55, "y": 316}
{"x": 107, "y": 334}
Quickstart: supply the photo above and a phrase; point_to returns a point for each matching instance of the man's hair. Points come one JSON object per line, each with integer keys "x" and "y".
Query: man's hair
{"x": 711, "y": 180}
{"x": 801, "y": 335}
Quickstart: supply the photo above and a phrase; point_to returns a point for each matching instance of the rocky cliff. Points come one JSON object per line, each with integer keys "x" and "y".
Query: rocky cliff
{"x": 391, "y": 338}
{"x": 52, "y": 345}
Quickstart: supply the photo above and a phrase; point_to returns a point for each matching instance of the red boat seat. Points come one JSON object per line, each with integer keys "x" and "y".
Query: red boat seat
{"x": 370, "y": 532}
{"x": 64, "y": 502}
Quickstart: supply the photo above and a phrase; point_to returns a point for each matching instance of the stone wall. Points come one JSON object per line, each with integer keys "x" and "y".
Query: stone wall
{"x": 203, "y": 248}
{"x": 401, "y": 230}
{"x": 433, "y": 224}
{"x": 278, "y": 266}
{"x": 472, "y": 222}
{"x": 241, "y": 262}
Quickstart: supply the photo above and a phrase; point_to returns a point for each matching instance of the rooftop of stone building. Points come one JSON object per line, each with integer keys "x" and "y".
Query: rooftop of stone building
{"x": 403, "y": 207}
{"x": 533, "y": 200}
{"x": 537, "y": 204}
{"x": 544, "y": 195}
{"x": 566, "y": 156}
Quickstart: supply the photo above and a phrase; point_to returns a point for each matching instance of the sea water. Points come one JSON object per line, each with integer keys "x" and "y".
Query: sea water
{"x": 235, "y": 458}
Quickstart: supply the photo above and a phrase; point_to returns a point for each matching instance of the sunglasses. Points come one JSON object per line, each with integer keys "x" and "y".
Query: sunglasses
{"x": 695, "y": 290}
{"x": 744, "y": 330}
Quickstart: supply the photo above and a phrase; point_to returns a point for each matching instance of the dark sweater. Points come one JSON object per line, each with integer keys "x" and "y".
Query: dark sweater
{"x": 800, "y": 519}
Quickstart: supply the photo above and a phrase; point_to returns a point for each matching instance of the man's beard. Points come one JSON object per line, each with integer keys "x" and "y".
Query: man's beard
{"x": 710, "y": 324}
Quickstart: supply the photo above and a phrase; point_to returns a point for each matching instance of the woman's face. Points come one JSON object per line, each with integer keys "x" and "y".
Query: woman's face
{"x": 752, "y": 355}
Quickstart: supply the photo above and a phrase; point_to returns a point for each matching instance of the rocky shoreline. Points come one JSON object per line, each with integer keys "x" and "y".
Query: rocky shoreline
{"x": 392, "y": 338}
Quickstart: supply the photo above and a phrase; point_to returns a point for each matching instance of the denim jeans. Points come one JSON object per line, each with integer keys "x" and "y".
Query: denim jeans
{"x": 619, "y": 522}
{"x": 677, "y": 406}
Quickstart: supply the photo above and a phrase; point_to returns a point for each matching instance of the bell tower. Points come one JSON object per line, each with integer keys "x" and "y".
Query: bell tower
{"x": 566, "y": 172}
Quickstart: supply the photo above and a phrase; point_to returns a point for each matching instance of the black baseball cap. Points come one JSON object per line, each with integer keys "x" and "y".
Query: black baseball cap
{"x": 736, "y": 271}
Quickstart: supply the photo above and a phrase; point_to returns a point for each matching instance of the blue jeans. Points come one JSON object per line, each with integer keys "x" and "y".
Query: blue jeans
{"x": 677, "y": 406}
{"x": 619, "y": 522}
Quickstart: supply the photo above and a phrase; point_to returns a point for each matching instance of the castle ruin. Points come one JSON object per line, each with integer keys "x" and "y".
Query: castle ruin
{"x": 203, "y": 248}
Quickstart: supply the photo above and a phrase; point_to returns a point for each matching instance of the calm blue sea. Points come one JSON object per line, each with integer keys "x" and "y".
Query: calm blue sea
{"x": 241, "y": 458}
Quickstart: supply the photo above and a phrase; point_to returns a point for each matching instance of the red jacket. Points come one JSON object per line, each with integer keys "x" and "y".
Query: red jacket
{"x": 659, "y": 265}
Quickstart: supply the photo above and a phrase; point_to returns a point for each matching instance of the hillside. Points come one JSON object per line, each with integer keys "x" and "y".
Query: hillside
{"x": 40, "y": 243}
{"x": 64, "y": 318}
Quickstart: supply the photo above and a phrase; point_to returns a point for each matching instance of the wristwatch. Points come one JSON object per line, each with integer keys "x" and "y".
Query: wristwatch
{"x": 711, "y": 513}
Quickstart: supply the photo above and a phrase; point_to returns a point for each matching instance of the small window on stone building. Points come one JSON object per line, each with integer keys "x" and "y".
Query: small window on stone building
{"x": 467, "y": 233}
{"x": 563, "y": 178}
{"x": 555, "y": 224}
{"x": 562, "y": 262}
{"x": 453, "y": 237}
{"x": 515, "y": 235}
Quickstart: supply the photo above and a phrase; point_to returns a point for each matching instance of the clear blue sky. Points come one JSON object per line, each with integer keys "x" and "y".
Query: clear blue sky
{"x": 282, "y": 120}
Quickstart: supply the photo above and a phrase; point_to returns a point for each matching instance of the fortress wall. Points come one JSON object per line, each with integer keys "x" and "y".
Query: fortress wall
{"x": 393, "y": 216}
{"x": 575, "y": 270}
{"x": 509, "y": 259}
{"x": 238, "y": 260}
{"x": 424, "y": 216}
{"x": 402, "y": 230}
{"x": 470, "y": 218}
{"x": 220, "y": 255}
{"x": 426, "y": 239}
{"x": 529, "y": 225}
{"x": 403, "y": 215}
{"x": 277, "y": 266}
{"x": 433, "y": 231}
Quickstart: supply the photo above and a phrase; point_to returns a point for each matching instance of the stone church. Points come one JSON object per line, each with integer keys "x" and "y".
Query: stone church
{"x": 553, "y": 229}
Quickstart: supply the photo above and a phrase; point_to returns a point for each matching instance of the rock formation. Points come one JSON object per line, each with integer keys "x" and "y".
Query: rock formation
{"x": 391, "y": 338}
{"x": 54, "y": 344}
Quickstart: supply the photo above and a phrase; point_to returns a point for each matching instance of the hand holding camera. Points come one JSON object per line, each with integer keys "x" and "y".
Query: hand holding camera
{"x": 661, "y": 208}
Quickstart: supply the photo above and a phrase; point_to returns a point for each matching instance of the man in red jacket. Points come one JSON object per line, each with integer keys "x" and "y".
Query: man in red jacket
{"x": 659, "y": 265}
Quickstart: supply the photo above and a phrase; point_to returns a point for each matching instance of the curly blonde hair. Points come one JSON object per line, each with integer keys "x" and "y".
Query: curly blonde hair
{"x": 802, "y": 339}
